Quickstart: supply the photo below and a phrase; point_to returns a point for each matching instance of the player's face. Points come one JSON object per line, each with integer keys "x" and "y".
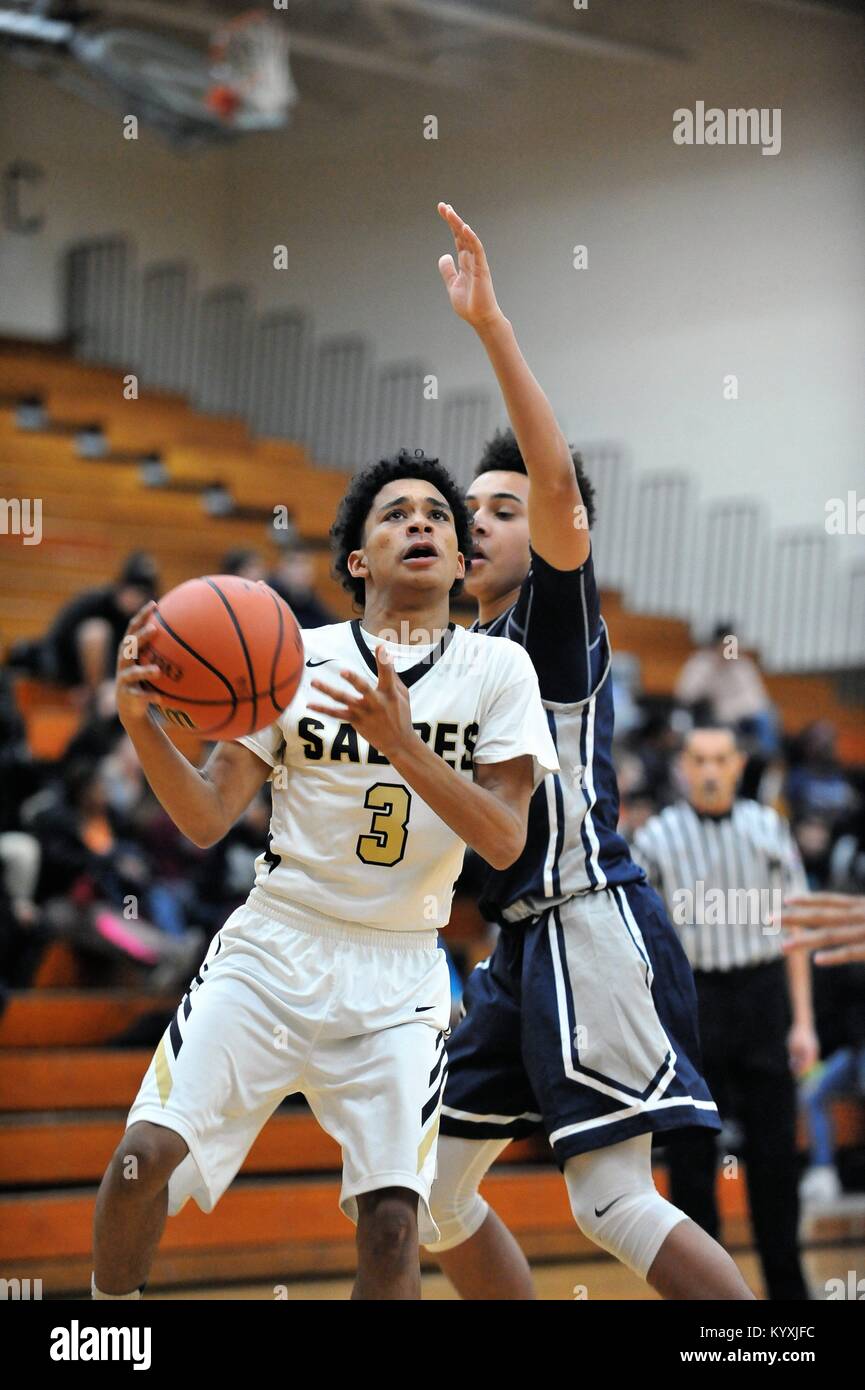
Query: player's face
{"x": 498, "y": 502}
{"x": 711, "y": 765}
{"x": 410, "y": 541}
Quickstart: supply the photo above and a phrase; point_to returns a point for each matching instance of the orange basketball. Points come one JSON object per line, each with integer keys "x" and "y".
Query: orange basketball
{"x": 230, "y": 653}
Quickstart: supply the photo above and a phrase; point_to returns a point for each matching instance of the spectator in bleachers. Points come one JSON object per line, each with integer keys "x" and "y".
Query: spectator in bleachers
{"x": 847, "y": 861}
{"x": 22, "y": 935}
{"x": 817, "y": 784}
{"x": 95, "y": 880}
{"x": 246, "y": 564}
{"x": 80, "y": 648}
{"x": 647, "y": 759}
{"x": 18, "y": 774}
{"x": 226, "y": 872}
{"x": 813, "y": 836}
{"x": 719, "y": 684}
{"x": 293, "y": 580}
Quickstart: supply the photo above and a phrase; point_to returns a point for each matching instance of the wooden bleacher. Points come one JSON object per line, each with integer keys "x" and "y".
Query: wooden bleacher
{"x": 95, "y": 511}
{"x": 63, "y": 1093}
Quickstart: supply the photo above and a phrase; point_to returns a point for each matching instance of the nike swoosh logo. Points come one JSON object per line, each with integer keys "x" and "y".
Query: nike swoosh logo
{"x": 321, "y": 663}
{"x": 605, "y": 1209}
{"x": 424, "y": 1008}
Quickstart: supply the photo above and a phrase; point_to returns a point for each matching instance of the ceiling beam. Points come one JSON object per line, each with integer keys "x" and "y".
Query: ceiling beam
{"x": 509, "y": 26}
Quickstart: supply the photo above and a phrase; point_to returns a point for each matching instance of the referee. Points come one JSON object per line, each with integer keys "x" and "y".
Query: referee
{"x": 723, "y": 865}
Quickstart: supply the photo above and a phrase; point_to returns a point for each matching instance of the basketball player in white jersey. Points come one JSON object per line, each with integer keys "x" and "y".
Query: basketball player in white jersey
{"x": 400, "y": 747}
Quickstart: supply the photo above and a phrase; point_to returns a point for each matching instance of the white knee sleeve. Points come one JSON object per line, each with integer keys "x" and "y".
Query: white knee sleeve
{"x": 616, "y": 1204}
{"x": 456, "y": 1205}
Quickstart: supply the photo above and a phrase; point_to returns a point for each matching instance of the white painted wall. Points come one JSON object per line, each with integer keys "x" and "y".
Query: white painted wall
{"x": 96, "y": 184}
{"x": 702, "y": 261}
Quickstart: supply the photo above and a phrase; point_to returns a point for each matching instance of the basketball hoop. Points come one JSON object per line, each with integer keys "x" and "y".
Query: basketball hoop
{"x": 223, "y": 101}
{"x": 251, "y": 81}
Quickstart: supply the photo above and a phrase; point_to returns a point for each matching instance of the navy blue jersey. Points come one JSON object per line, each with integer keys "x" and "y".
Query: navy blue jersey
{"x": 572, "y": 844}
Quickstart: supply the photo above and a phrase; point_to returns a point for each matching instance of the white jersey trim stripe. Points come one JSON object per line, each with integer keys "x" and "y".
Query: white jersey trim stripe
{"x": 595, "y": 855}
{"x": 488, "y": 1119}
{"x": 641, "y": 1109}
{"x": 553, "y": 819}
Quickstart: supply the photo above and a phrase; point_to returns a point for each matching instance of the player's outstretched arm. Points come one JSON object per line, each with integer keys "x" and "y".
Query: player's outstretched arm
{"x": 556, "y": 515}
{"x": 203, "y": 804}
{"x": 490, "y": 815}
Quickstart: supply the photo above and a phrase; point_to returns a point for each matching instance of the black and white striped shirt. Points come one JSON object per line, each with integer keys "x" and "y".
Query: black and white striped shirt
{"x": 722, "y": 878}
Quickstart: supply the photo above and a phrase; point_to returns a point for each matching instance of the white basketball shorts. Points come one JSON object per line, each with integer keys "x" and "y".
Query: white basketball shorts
{"x": 287, "y": 1000}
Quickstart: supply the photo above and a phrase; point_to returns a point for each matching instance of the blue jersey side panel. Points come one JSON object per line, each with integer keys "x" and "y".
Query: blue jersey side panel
{"x": 572, "y": 844}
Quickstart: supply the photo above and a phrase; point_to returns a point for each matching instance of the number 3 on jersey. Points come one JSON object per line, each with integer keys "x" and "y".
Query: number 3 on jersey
{"x": 390, "y": 804}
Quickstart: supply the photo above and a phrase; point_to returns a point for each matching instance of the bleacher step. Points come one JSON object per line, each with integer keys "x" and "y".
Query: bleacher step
{"x": 73, "y": 1018}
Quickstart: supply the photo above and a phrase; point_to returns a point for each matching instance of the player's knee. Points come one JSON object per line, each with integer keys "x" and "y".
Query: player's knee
{"x": 456, "y": 1206}
{"x": 457, "y": 1213}
{"x": 146, "y": 1157}
{"x": 387, "y": 1226}
{"x": 631, "y": 1225}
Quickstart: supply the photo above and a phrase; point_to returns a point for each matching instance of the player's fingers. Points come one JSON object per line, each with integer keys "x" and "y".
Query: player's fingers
{"x": 823, "y": 900}
{"x": 334, "y": 692}
{"x": 341, "y": 714}
{"x": 474, "y": 244}
{"x": 798, "y": 943}
{"x": 447, "y": 269}
{"x": 824, "y": 936}
{"x": 133, "y": 643}
{"x": 843, "y": 955}
{"x": 816, "y": 918}
{"x": 384, "y": 667}
{"x": 454, "y": 219}
{"x": 357, "y": 681}
{"x": 144, "y": 634}
{"x": 825, "y": 909}
{"x": 130, "y": 676}
{"x": 139, "y": 618}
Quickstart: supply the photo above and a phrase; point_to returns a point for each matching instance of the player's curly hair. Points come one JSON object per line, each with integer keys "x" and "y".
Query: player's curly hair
{"x": 346, "y": 533}
{"x": 503, "y": 451}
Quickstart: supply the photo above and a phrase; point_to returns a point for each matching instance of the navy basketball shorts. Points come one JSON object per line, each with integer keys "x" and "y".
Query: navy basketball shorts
{"x": 583, "y": 1022}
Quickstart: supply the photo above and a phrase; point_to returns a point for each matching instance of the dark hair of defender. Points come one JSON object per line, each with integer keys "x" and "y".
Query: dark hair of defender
{"x": 503, "y": 452}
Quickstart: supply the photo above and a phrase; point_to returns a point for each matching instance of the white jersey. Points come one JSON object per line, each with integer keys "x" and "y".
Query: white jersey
{"x": 348, "y": 838}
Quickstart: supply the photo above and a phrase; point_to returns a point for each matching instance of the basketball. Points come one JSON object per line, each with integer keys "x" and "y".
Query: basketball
{"x": 231, "y": 656}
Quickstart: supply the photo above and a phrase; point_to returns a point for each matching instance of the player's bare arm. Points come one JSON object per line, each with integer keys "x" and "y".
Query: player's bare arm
{"x": 490, "y": 815}
{"x": 205, "y": 803}
{"x": 554, "y": 498}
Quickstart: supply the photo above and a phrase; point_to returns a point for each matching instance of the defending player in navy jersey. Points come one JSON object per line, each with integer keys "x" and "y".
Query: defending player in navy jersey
{"x": 583, "y": 1021}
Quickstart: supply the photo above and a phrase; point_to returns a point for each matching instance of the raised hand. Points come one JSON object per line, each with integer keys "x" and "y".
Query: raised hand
{"x": 469, "y": 287}
{"x": 132, "y": 701}
{"x": 381, "y": 714}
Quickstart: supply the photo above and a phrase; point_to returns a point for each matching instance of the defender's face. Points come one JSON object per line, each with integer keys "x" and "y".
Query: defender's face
{"x": 499, "y": 502}
{"x": 409, "y": 541}
{"x": 712, "y": 765}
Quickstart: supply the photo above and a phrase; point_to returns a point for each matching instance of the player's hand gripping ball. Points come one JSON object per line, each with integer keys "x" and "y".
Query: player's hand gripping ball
{"x": 229, "y": 655}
